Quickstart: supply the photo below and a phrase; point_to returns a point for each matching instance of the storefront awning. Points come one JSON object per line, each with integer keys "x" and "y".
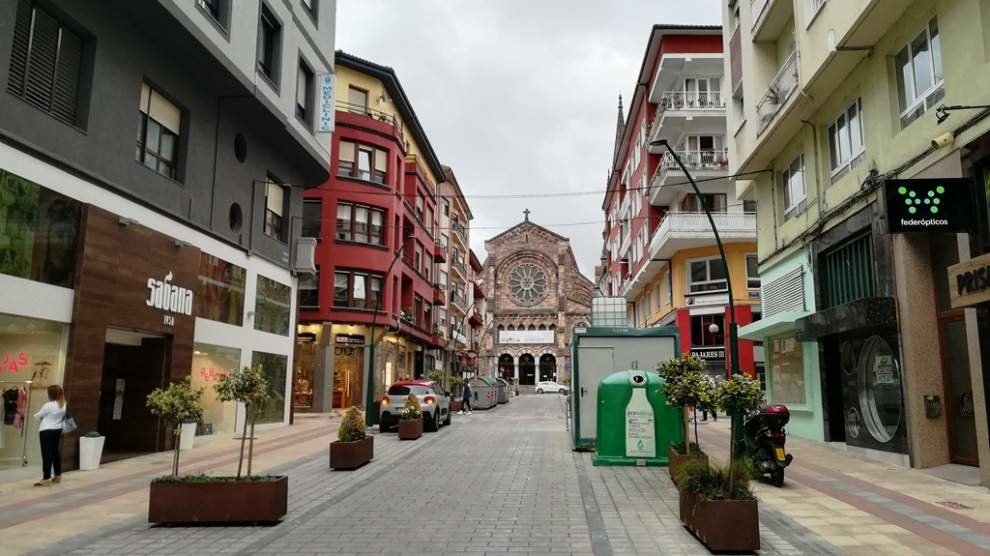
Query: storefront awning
{"x": 771, "y": 326}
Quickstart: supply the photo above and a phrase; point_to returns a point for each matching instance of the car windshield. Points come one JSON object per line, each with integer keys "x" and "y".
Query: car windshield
{"x": 405, "y": 390}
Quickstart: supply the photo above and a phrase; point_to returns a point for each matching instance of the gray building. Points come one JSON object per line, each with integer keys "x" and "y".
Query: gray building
{"x": 191, "y": 124}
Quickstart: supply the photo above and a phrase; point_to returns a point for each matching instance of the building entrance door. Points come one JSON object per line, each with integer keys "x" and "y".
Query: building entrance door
{"x": 548, "y": 367}
{"x": 527, "y": 369}
{"x": 133, "y": 366}
{"x": 506, "y": 366}
{"x": 959, "y": 411}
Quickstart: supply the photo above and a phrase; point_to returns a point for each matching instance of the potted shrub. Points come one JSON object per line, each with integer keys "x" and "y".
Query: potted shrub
{"x": 411, "y": 419}
{"x": 353, "y": 447}
{"x": 686, "y": 386}
{"x": 176, "y": 405}
{"x": 456, "y": 389}
{"x": 713, "y": 496}
{"x": 244, "y": 498}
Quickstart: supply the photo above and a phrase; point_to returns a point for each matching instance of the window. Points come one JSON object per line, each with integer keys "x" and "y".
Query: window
{"x": 701, "y": 334}
{"x": 707, "y": 275}
{"x": 752, "y": 272}
{"x": 418, "y": 257}
{"x": 304, "y": 93}
{"x": 312, "y": 222}
{"x": 45, "y": 63}
{"x": 158, "y": 132}
{"x": 919, "y": 74}
{"x": 272, "y": 307}
{"x": 703, "y": 92}
{"x": 792, "y": 180}
{"x": 357, "y": 100}
{"x": 269, "y": 44}
{"x": 357, "y": 290}
{"x": 787, "y": 360}
{"x": 363, "y": 162}
{"x": 847, "y": 272}
{"x": 218, "y": 12}
{"x": 445, "y": 205}
{"x": 274, "y": 367}
{"x": 212, "y": 7}
{"x": 275, "y": 204}
{"x": 220, "y": 292}
{"x": 749, "y": 207}
{"x": 309, "y": 290}
{"x": 419, "y": 207}
{"x": 360, "y": 223}
{"x": 845, "y": 138}
{"x": 715, "y": 202}
{"x": 311, "y": 6}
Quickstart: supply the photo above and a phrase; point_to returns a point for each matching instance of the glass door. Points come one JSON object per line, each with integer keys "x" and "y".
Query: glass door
{"x": 958, "y": 402}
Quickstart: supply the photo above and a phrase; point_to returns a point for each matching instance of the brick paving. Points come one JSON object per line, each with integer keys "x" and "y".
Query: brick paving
{"x": 502, "y": 481}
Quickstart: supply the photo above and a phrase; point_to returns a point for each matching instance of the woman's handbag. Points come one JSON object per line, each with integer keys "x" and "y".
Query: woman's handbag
{"x": 68, "y": 422}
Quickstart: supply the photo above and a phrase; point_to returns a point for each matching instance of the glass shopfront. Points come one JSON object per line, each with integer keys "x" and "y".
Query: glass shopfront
{"x": 348, "y": 370}
{"x": 788, "y": 382}
{"x": 211, "y": 363}
{"x": 32, "y": 357}
{"x": 274, "y": 367}
{"x": 221, "y": 290}
{"x": 272, "y": 309}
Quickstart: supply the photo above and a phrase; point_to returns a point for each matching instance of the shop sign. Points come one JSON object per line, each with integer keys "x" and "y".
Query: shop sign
{"x": 525, "y": 336}
{"x": 709, "y": 354}
{"x": 930, "y": 205}
{"x": 325, "y": 116}
{"x": 212, "y": 374}
{"x": 13, "y": 362}
{"x": 169, "y": 298}
{"x": 350, "y": 340}
{"x": 969, "y": 282}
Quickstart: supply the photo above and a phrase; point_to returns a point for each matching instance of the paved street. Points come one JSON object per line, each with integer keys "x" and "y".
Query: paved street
{"x": 495, "y": 482}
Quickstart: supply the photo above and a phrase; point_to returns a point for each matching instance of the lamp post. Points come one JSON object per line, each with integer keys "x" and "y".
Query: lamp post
{"x": 733, "y": 328}
{"x": 370, "y": 415}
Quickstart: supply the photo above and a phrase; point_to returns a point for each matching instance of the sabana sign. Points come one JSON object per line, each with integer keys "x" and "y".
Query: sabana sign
{"x": 167, "y": 297}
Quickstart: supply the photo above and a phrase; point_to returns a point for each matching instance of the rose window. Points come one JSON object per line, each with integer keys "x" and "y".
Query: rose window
{"x": 527, "y": 284}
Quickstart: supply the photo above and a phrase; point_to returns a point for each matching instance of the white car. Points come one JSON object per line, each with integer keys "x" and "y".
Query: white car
{"x": 550, "y": 386}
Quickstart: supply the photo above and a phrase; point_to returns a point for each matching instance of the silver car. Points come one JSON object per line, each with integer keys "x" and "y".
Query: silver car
{"x": 432, "y": 398}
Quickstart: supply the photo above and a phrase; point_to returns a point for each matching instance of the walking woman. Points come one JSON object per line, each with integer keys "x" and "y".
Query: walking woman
{"x": 52, "y": 414}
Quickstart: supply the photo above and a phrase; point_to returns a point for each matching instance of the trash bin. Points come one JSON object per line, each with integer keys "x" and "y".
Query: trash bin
{"x": 485, "y": 392}
{"x": 90, "y": 452}
{"x": 188, "y": 437}
{"x": 502, "y": 394}
{"x": 635, "y": 424}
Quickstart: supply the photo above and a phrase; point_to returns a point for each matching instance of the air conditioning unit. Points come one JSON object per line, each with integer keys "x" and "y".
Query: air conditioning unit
{"x": 305, "y": 255}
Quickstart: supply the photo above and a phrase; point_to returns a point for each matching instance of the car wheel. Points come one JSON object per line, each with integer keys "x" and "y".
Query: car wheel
{"x": 433, "y": 422}
{"x": 448, "y": 419}
{"x": 539, "y": 390}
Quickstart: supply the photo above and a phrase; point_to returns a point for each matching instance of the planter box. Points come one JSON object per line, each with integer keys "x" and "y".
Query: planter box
{"x": 410, "y": 429}
{"x": 707, "y": 519}
{"x": 219, "y": 501}
{"x": 456, "y": 405}
{"x": 351, "y": 455}
{"x": 677, "y": 460}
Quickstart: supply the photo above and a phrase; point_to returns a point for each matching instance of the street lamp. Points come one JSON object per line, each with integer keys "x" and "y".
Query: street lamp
{"x": 370, "y": 415}
{"x": 733, "y": 328}
{"x": 942, "y": 112}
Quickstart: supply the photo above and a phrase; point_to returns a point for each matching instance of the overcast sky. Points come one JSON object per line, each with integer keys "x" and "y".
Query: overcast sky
{"x": 518, "y": 96}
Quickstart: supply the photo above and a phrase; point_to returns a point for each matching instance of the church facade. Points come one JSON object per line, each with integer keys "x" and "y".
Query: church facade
{"x": 537, "y": 296}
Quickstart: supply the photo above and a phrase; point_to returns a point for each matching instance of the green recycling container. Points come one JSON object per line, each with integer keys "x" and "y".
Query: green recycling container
{"x": 635, "y": 424}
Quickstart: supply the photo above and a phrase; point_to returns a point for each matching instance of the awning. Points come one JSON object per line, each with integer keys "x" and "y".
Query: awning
{"x": 771, "y": 326}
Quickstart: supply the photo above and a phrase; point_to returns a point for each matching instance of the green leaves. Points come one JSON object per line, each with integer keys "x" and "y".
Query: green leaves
{"x": 247, "y": 386}
{"x": 738, "y": 395}
{"x": 352, "y": 426}
{"x": 685, "y": 381}
{"x": 178, "y": 403}
{"x": 435, "y": 375}
{"x": 411, "y": 409}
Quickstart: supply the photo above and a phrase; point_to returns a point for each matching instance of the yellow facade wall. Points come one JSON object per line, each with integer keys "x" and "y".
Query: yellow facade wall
{"x": 653, "y": 298}
{"x": 379, "y": 99}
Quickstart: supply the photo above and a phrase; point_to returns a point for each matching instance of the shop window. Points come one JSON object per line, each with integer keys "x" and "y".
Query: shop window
{"x": 272, "y": 308}
{"x": 309, "y": 290}
{"x": 707, "y": 275}
{"x": 847, "y": 271}
{"x": 220, "y": 292}
{"x": 274, "y": 368}
{"x": 752, "y": 272}
{"x": 920, "y": 83}
{"x": 210, "y": 363}
{"x": 39, "y": 230}
{"x": 357, "y": 290}
{"x": 312, "y": 221}
{"x": 787, "y": 370}
{"x": 159, "y": 129}
{"x": 701, "y": 334}
{"x": 276, "y": 199}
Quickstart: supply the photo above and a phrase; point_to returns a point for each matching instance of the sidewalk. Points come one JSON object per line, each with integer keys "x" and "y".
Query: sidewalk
{"x": 865, "y": 507}
{"x": 32, "y": 518}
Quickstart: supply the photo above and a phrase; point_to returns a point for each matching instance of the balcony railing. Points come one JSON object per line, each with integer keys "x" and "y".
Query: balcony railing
{"x": 756, "y": 8}
{"x": 731, "y": 225}
{"x": 780, "y": 89}
{"x": 459, "y": 232}
{"x": 712, "y": 161}
{"x": 700, "y": 100}
{"x": 363, "y": 110}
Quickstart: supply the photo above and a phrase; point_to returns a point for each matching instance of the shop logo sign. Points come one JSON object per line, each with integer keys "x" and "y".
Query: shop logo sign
{"x": 929, "y": 205}
{"x": 169, "y": 298}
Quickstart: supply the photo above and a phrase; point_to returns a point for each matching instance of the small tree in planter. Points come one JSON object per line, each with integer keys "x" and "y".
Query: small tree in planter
{"x": 456, "y": 384}
{"x": 738, "y": 395}
{"x": 250, "y": 388}
{"x": 710, "y": 497}
{"x": 411, "y": 419}
{"x": 176, "y": 404}
{"x": 353, "y": 447}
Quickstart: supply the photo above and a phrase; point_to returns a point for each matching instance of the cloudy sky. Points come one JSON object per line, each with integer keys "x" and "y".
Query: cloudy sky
{"x": 518, "y": 96}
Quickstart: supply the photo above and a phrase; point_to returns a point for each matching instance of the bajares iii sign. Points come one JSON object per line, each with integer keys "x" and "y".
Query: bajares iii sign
{"x": 929, "y": 205}
{"x": 162, "y": 294}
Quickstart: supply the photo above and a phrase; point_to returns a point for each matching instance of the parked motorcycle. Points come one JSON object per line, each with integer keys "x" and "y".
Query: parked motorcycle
{"x": 765, "y": 437}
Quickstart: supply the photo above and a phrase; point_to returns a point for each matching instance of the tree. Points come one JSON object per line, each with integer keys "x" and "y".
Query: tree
{"x": 686, "y": 385}
{"x": 249, "y": 387}
{"x": 176, "y": 404}
{"x": 737, "y": 396}
{"x": 436, "y": 375}
{"x": 352, "y": 427}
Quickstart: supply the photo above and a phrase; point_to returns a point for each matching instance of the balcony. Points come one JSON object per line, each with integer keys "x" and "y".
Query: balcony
{"x": 389, "y": 120}
{"x": 686, "y": 230}
{"x": 457, "y": 301}
{"x": 781, "y": 88}
{"x": 478, "y": 293}
{"x": 679, "y": 112}
{"x": 457, "y": 265}
{"x": 669, "y": 179}
{"x": 439, "y": 294}
{"x": 475, "y": 319}
{"x": 438, "y": 339}
{"x": 439, "y": 253}
{"x": 460, "y": 233}
{"x": 770, "y": 18}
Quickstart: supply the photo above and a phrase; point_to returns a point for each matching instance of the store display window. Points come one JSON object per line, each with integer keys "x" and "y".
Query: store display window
{"x": 211, "y": 363}
{"x": 274, "y": 367}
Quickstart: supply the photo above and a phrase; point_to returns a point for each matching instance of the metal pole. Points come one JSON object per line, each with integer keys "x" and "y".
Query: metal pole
{"x": 733, "y": 332}
{"x": 370, "y": 415}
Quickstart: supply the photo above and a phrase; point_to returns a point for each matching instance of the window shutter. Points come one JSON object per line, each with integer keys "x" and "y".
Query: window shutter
{"x": 347, "y": 151}
{"x": 42, "y": 58}
{"x": 164, "y": 112}
{"x": 67, "y": 76}
{"x": 786, "y": 293}
{"x": 381, "y": 158}
{"x": 275, "y": 198}
{"x": 19, "y": 52}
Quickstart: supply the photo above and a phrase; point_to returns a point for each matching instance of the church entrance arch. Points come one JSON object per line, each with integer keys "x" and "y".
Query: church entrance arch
{"x": 506, "y": 366}
{"x": 548, "y": 367}
{"x": 527, "y": 369}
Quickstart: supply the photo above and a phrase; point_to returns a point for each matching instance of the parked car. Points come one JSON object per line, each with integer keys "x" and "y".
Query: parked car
{"x": 433, "y": 399}
{"x": 550, "y": 386}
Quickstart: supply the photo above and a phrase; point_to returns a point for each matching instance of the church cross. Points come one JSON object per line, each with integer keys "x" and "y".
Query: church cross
{"x": 526, "y": 213}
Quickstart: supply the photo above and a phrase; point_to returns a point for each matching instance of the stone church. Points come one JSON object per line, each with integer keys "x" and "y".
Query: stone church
{"x": 536, "y": 297}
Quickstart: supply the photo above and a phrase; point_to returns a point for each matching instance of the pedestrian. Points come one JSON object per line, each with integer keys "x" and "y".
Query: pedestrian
{"x": 708, "y": 406}
{"x": 466, "y": 400}
{"x": 51, "y": 415}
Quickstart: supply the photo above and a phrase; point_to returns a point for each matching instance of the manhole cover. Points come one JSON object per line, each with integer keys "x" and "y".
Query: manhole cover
{"x": 954, "y": 505}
